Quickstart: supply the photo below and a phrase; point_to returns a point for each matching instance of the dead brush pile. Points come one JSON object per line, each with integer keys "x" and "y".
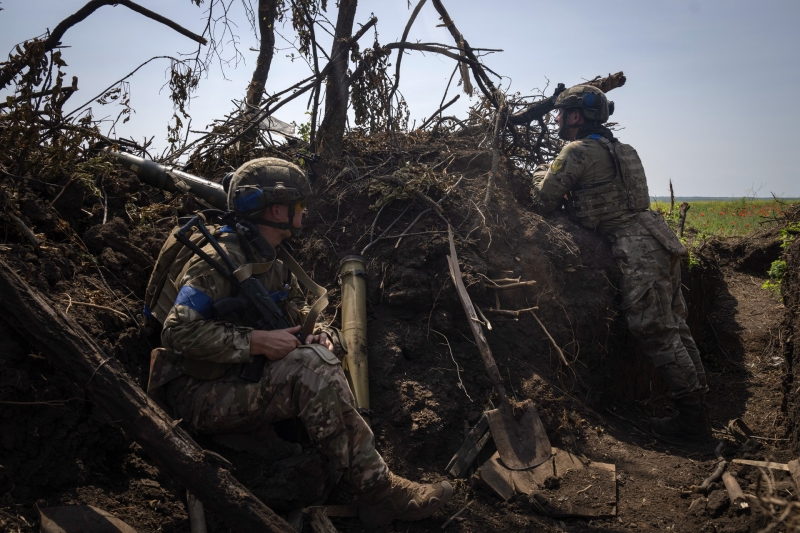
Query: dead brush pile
{"x": 86, "y": 234}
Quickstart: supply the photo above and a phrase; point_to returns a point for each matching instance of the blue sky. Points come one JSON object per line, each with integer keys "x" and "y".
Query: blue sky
{"x": 711, "y": 100}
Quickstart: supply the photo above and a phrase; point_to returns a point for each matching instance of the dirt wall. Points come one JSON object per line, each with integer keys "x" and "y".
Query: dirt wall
{"x": 790, "y": 290}
{"x": 427, "y": 380}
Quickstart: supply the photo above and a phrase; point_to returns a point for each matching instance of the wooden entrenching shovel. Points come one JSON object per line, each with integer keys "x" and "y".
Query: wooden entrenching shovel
{"x": 517, "y": 430}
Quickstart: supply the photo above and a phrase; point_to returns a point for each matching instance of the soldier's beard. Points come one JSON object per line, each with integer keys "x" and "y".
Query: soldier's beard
{"x": 568, "y": 133}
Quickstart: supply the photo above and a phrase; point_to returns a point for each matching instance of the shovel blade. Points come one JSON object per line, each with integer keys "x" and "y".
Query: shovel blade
{"x": 521, "y": 443}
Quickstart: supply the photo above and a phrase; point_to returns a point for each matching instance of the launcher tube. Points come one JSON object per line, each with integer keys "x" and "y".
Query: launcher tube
{"x": 352, "y": 276}
{"x": 172, "y": 179}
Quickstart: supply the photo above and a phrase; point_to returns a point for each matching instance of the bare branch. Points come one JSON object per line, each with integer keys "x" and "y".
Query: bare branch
{"x": 400, "y": 50}
{"x": 439, "y": 111}
{"x": 437, "y": 49}
{"x": 13, "y": 68}
{"x": 163, "y": 20}
{"x": 483, "y": 81}
{"x": 66, "y": 92}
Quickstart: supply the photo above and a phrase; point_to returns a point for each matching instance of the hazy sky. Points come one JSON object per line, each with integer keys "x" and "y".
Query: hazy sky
{"x": 711, "y": 100}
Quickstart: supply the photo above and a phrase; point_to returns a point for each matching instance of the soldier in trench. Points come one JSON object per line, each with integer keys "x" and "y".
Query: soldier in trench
{"x": 605, "y": 188}
{"x": 198, "y": 374}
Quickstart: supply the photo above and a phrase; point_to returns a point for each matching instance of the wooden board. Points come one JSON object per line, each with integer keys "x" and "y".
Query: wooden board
{"x": 320, "y": 522}
{"x": 794, "y": 470}
{"x": 584, "y": 490}
{"x": 561, "y": 487}
{"x": 107, "y": 384}
{"x": 340, "y": 511}
{"x": 80, "y": 519}
{"x": 472, "y": 446}
{"x": 764, "y": 464}
{"x": 529, "y": 481}
{"x": 497, "y": 477}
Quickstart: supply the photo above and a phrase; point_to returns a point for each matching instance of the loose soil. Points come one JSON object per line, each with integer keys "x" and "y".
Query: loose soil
{"x": 428, "y": 386}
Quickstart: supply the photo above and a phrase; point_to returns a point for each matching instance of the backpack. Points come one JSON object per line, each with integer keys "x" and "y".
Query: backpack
{"x": 172, "y": 259}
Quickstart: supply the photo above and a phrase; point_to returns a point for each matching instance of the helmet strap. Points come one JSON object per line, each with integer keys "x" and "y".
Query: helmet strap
{"x": 295, "y": 231}
{"x": 247, "y": 229}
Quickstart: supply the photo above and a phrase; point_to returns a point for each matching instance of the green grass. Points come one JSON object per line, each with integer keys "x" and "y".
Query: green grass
{"x": 727, "y": 218}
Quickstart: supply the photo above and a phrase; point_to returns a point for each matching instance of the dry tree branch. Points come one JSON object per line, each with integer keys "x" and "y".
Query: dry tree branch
{"x": 158, "y": 18}
{"x": 552, "y": 340}
{"x": 496, "y": 287}
{"x": 612, "y": 81}
{"x": 420, "y": 196}
{"x": 102, "y": 307}
{"x": 511, "y": 312}
{"x": 432, "y": 47}
{"x": 481, "y": 78}
{"x": 26, "y": 231}
{"x": 267, "y": 110}
{"x": 400, "y": 50}
{"x": 128, "y": 75}
{"x": 460, "y": 384}
{"x": 13, "y": 68}
{"x": 318, "y": 85}
{"x": 499, "y": 127}
{"x": 65, "y": 91}
{"x": 425, "y": 212}
{"x": 382, "y": 235}
{"x": 439, "y": 111}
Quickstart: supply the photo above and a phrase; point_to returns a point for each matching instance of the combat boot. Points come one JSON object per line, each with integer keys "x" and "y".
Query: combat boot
{"x": 396, "y": 498}
{"x": 691, "y": 423}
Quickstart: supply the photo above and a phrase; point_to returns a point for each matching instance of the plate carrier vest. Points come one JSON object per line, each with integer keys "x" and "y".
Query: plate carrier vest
{"x": 627, "y": 192}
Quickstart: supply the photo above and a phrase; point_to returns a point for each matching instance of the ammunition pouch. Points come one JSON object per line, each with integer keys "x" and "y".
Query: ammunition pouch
{"x": 659, "y": 229}
{"x": 649, "y": 223}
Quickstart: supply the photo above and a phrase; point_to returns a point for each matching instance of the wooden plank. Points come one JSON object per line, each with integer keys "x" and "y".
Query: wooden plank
{"x": 473, "y": 444}
{"x": 320, "y": 522}
{"x": 565, "y": 462}
{"x": 763, "y": 464}
{"x": 339, "y": 511}
{"x": 497, "y": 477}
{"x": 529, "y": 481}
{"x": 79, "y": 518}
{"x": 581, "y": 490}
{"x": 794, "y": 470}
{"x": 107, "y": 384}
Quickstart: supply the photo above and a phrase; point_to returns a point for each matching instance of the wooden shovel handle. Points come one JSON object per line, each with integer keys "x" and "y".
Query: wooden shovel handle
{"x": 474, "y": 323}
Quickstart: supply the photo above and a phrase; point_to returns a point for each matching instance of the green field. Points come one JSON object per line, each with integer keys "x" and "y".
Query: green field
{"x": 726, "y": 217}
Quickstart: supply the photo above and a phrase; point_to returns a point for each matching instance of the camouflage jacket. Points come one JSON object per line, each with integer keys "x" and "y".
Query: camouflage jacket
{"x": 192, "y": 334}
{"x": 581, "y": 164}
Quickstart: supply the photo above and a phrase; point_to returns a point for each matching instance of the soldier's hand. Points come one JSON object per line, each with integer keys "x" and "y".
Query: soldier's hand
{"x": 321, "y": 338}
{"x": 275, "y": 344}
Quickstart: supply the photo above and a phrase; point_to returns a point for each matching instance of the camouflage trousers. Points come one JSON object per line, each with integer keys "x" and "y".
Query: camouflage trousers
{"x": 655, "y": 312}
{"x": 309, "y": 383}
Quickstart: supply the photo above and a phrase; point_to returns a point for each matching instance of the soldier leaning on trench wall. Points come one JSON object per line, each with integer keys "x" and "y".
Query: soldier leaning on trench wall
{"x": 601, "y": 182}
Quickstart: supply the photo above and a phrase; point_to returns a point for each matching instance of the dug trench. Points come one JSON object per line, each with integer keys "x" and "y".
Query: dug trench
{"x": 428, "y": 385}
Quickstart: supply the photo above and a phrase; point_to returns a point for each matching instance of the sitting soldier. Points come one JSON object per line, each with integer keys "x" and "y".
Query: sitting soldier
{"x": 201, "y": 372}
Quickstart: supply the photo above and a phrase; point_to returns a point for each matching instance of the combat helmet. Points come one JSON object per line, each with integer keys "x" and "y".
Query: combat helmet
{"x": 266, "y": 181}
{"x": 589, "y": 99}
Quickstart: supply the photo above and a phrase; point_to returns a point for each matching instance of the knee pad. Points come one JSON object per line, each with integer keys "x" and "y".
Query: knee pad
{"x": 314, "y": 355}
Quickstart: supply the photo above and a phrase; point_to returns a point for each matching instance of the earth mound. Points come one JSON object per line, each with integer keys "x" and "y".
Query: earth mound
{"x": 95, "y": 249}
